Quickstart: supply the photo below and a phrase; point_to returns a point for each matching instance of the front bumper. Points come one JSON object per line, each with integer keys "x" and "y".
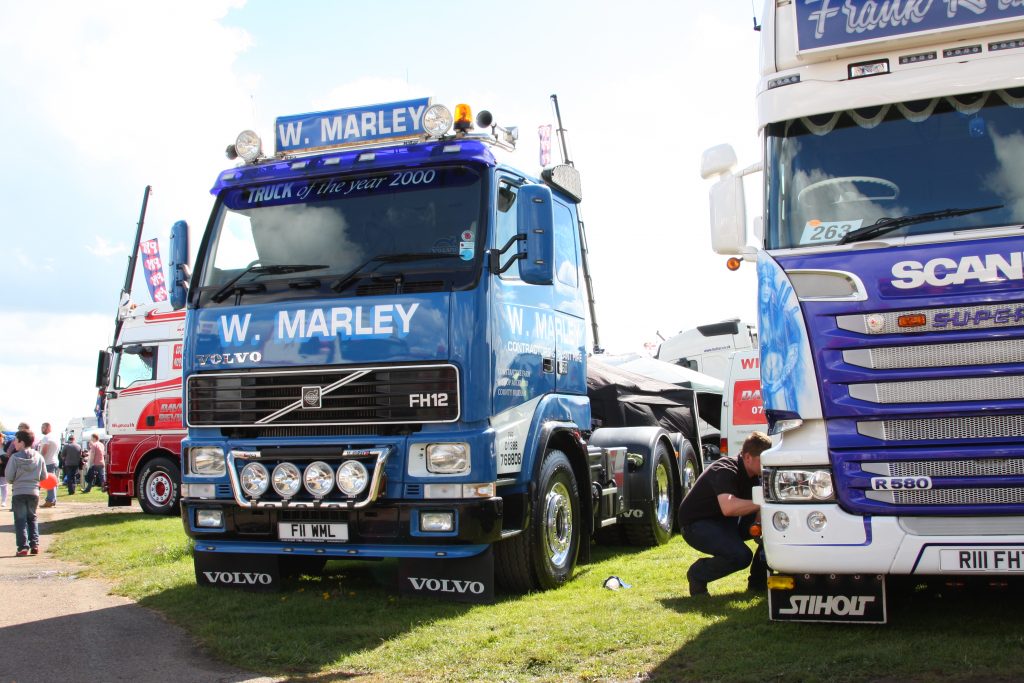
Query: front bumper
{"x": 903, "y": 545}
{"x": 383, "y": 530}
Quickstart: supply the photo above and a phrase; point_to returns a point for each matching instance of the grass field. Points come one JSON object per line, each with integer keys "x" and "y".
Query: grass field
{"x": 353, "y": 623}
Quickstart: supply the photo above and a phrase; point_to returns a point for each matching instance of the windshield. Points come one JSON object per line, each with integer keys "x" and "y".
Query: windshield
{"x": 836, "y": 173}
{"x": 318, "y": 232}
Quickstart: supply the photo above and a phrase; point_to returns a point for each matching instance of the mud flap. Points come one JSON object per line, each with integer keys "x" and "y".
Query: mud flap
{"x": 839, "y": 598}
{"x": 232, "y": 570}
{"x": 464, "y": 579}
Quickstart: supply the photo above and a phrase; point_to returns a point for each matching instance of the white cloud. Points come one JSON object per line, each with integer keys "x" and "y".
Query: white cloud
{"x": 48, "y": 366}
{"x": 104, "y": 249}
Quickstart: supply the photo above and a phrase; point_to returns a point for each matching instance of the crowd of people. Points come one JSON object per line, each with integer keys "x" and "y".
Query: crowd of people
{"x": 25, "y": 463}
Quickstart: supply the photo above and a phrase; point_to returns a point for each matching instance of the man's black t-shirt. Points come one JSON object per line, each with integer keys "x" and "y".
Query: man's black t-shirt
{"x": 725, "y": 475}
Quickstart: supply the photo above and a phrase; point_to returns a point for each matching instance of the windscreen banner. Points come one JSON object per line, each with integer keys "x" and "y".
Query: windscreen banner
{"x": 833, "y": 23}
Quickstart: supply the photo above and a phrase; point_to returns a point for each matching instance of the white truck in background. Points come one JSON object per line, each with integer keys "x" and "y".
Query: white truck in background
{"x": 706, "y": 348}
{"x": 742, "y": 411}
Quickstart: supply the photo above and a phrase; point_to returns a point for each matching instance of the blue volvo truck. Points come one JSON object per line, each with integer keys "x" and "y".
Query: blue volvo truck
{"x": 385, "y": 357}
{"x": 891, "y": 308}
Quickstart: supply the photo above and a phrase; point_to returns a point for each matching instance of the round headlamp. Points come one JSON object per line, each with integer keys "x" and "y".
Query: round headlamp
{"x": 318, "y": 478}
{"x": 286, "y": 480}
{"x": 352, "y": 478}
{"x": 437, "y": 120}
{"x": 248, "y": 146}
{"x": 255, "y": 479}
{"x": 821, "y": 485}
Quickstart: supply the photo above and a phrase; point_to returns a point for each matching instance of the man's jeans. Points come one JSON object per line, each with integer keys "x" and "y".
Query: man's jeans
{"x": 26, "y": 528}
{"x": 722, "y": 539}
{"x": 94, "y": 477}
{"x": 51, "y": 494}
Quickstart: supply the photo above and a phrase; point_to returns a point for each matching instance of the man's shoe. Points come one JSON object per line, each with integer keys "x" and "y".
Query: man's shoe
{"x": 757, "y": 586}
{"x": 47, "y": 504}
{"x": 34, "y": 550}
{"x": 697, "y": 587}
{"x": 22, "y": 553}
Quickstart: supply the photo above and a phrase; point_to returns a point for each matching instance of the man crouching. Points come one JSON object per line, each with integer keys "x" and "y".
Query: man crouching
{"x": 716, "y": 516}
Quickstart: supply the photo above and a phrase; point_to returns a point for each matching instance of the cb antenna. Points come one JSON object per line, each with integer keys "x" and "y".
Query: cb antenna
{"x": 560, "y": 131}
{"x": 757, "y": 26}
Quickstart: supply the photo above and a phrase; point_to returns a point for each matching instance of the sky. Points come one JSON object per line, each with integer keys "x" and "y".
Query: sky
{"x": 101, "y": 99}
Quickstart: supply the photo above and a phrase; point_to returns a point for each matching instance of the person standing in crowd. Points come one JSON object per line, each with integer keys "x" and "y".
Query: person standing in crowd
{"x": 71, "y": 459}
{"x": 24, "y": 471}
{"x": 97, "y": 452}
{"x": 716, "y": 516}
{"x": 48, "y": 448}
{"x": 8, "y": 452}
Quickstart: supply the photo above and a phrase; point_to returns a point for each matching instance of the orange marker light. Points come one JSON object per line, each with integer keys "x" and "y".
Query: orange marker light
{"x": 733, "y": 263}
{"x": 463, "y": 117}
{"x": 916, "y": 320}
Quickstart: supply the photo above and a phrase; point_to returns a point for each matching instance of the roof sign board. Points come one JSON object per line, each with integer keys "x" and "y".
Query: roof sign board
{"x": 354, "y": 126}
{"x": 832, "y": 23}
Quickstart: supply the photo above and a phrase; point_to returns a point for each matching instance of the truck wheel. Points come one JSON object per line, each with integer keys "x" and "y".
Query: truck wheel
{"x": 544, "y": 554}
{"x": 654, "y": 526}
{"x": 159, "y": 487}
{"x": 690, "y": 472}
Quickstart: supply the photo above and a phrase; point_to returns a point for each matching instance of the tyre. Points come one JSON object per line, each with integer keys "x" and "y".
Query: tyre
{"x": 654, "y": 526}
{"x": 543, "y": 555}
{"x": 159, "y": 487}
{"x": 690, "y": 470}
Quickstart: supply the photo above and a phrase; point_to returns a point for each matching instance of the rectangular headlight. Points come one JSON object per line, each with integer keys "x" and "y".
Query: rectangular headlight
{"x": 448, "y": 458}
{"x": 437, "y": 521}
{"x": 206, "y": 461}
{"x": 799, "y": 485}
{"x": 209, "y": 519}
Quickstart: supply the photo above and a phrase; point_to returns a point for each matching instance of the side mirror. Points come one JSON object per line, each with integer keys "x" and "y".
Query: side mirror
{"x": 103, "y": 370}
{"x": 536, "y": 226}
{"x": 180, "y": 269}
{"x": 728, "y": 204}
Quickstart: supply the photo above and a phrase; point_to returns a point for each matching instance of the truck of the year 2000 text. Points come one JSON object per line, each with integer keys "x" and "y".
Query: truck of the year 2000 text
{"x": 891, "y": 311}
{"x": 385, "y": 358}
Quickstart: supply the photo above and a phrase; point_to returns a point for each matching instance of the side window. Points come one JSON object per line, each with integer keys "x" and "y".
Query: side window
{"x": 566, "y": 256}
{"x": 135, "y": 364}
{"x": 505, "y": 225}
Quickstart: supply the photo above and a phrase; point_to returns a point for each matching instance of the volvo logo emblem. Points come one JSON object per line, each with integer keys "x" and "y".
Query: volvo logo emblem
{"x": 311, "y": 397}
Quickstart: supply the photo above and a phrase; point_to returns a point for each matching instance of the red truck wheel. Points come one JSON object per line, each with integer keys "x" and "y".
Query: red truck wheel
{"x": 159, "y": 487}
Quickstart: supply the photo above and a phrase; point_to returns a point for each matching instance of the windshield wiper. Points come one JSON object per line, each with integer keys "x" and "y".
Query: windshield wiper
{"x": 884, "y": 225}
{"x": 278, "y": 269}
{"x": 357, "y": 272}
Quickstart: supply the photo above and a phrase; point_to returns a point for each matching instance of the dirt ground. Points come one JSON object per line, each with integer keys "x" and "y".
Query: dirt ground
{"x": 55, "y": 626}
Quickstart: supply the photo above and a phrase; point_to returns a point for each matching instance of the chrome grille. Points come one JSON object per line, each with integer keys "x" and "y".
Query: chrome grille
{"x": 944, "y": 428}
{"x": 941, "y": 391}
{"x": 409, "y": 394}
{"x": 975, "y": 467}
{"x": 994, "y": 467}
{"x": 938, "y": 355}
{"x": 981, "y": 496}
{"x": 960, "y": 317}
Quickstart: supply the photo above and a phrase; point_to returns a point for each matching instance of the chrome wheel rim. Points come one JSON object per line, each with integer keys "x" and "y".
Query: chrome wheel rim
{"x": 558, "y": 524}
{"x": 663, "y": 496}
{"x": 159, "y": 488}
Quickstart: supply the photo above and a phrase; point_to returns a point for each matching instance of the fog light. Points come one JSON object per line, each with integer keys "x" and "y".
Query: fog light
{"x": 248, "y": 146}
{"x": 437, "y": 120}
{"x": 352, "y": 477}
{"x": 286, "y": 480}
{"x": 780, "y": 520}
{"x": 816, "y": 521}
{"x": 318, "y": 478}
{"x": 255, "y": 480}
{"x": 437, "y": 521}
{"x": 210, "y": 519}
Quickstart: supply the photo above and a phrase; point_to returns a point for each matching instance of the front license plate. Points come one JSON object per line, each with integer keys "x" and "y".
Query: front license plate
{"x": 312, "y": 532}
{"x": 986, "y": 560}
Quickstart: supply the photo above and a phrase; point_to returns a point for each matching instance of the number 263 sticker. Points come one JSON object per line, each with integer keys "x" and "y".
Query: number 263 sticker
{"x": 823, "y": 232}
